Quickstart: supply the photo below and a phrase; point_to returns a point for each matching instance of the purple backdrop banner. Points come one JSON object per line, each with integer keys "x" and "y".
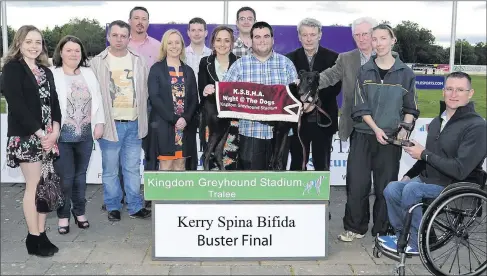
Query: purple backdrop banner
{"x": 338, "y": 39}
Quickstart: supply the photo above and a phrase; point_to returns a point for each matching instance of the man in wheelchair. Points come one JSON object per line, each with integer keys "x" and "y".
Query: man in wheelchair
{"x": 455, "y": 147}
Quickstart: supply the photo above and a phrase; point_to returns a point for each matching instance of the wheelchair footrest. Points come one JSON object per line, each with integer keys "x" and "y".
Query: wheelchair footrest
{"x": 391, "y": 255}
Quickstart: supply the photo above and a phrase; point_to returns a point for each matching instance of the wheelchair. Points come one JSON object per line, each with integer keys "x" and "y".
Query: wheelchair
{"x": 453, "y": 228}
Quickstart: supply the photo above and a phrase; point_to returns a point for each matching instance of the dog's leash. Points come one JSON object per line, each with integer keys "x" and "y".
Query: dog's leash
{"x": 324, "y": 114}
{"x": 303, "y": 166}
{"x": 312, "y": 104}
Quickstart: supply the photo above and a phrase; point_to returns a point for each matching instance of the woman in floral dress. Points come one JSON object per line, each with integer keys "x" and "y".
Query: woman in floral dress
{"x": 212, "y": 69}
{"x": 33, "y": 124}
{"x": 173, "y": 96}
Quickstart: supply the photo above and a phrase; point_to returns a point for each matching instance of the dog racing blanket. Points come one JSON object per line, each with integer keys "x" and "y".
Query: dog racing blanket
{"x": 258, "y": 102}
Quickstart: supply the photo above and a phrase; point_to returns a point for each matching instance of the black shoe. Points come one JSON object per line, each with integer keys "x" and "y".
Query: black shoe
{"x": 148, "y": 204}
{"x": 36, "y": 245}
{"x": 114, "y": 215}
{"x": 81, "y": 224}
{"x": 142, "y": 213}
{"x": 104, "y": 206}
{"x": 53, "y": 248}
{"x": 63, "y": 230}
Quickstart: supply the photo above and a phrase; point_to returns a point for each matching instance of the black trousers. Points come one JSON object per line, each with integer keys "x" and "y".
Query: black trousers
{"x": 202, "y": 130}
{"x": 254, "y": 153}
{"x": 321, "y": 141}
{"x": 192, "y": 162}
{"x": 366, "y": 156}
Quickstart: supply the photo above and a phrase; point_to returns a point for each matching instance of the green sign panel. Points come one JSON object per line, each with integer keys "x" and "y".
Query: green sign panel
{"x": 204, "y": 185}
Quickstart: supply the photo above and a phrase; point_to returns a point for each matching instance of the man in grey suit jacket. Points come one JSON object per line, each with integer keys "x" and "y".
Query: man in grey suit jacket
{"x": 346, "y": 69}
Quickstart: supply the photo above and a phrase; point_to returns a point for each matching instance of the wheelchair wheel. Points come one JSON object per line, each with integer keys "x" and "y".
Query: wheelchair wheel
{"x": 401, "y": 271}
{"x": 437, "y": 241}
{"x": 453, "y": 233}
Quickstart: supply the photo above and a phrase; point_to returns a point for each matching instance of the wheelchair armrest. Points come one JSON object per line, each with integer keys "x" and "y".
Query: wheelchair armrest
{"x": 478, "y": 176}
{"x": 460, "y": 185}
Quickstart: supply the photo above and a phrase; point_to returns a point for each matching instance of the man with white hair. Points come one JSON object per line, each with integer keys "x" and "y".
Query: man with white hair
{"x": 311, "y": 57}
{"x": 346, "y": 70}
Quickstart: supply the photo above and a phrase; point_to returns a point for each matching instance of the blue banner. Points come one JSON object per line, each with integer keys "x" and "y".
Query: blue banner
{"x": 430, "y": 82}
{"x": 336, "y": 38}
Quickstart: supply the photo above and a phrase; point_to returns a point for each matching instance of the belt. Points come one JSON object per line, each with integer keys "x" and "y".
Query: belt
{"x": 123, "y": 121}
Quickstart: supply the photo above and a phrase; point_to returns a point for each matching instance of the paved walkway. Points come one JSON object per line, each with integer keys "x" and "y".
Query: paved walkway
{"x": 125, "y": 248}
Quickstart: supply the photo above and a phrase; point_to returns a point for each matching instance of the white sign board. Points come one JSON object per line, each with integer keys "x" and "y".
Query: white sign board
{"x": 261, "y": 231}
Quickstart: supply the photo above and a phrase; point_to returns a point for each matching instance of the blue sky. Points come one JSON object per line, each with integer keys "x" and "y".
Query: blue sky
{"x": 434, "y": 15}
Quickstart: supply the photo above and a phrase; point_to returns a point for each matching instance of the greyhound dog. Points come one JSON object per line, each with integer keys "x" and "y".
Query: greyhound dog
{"x": 307, "y": 92}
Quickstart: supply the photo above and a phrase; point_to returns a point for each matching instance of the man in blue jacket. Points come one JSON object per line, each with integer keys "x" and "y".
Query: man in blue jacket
{"x": 455, "y": 147}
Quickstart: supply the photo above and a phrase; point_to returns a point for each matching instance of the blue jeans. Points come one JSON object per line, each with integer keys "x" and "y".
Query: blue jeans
{"x": 127, "y": 151}
{"x": 71, "y": 167}
{"x": 400, "y": 196}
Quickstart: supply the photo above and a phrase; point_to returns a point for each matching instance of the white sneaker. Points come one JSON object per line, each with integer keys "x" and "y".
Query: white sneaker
{"x": 348, "y": 236}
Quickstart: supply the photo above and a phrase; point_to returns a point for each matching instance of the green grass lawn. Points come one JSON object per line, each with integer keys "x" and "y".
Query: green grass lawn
{"x": 428, "y": 99}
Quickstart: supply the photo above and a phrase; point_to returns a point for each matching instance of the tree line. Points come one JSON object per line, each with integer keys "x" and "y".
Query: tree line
{"x": 415, "y": 44}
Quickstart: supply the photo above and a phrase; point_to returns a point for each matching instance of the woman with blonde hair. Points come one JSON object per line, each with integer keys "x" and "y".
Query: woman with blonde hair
{"x": 82, "y": 122}
{"x": 34, "y": 119}
{"x": 173, "y": 96}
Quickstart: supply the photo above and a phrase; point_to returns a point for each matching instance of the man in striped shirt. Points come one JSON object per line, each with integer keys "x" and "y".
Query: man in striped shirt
{"x": 243, "y": 43}
{"x": 262, "y": 66}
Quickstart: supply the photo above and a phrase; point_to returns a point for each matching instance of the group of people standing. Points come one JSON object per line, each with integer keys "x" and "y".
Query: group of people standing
{"x": 378, "y": 95}
{"x": 144, "y": 94}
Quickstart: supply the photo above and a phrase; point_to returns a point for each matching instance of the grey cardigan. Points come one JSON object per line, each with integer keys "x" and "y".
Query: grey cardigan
{"x": 345, "y": 69}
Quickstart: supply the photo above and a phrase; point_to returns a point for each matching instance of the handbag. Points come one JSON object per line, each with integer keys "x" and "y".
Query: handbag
{"x": 49, "y": 194}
